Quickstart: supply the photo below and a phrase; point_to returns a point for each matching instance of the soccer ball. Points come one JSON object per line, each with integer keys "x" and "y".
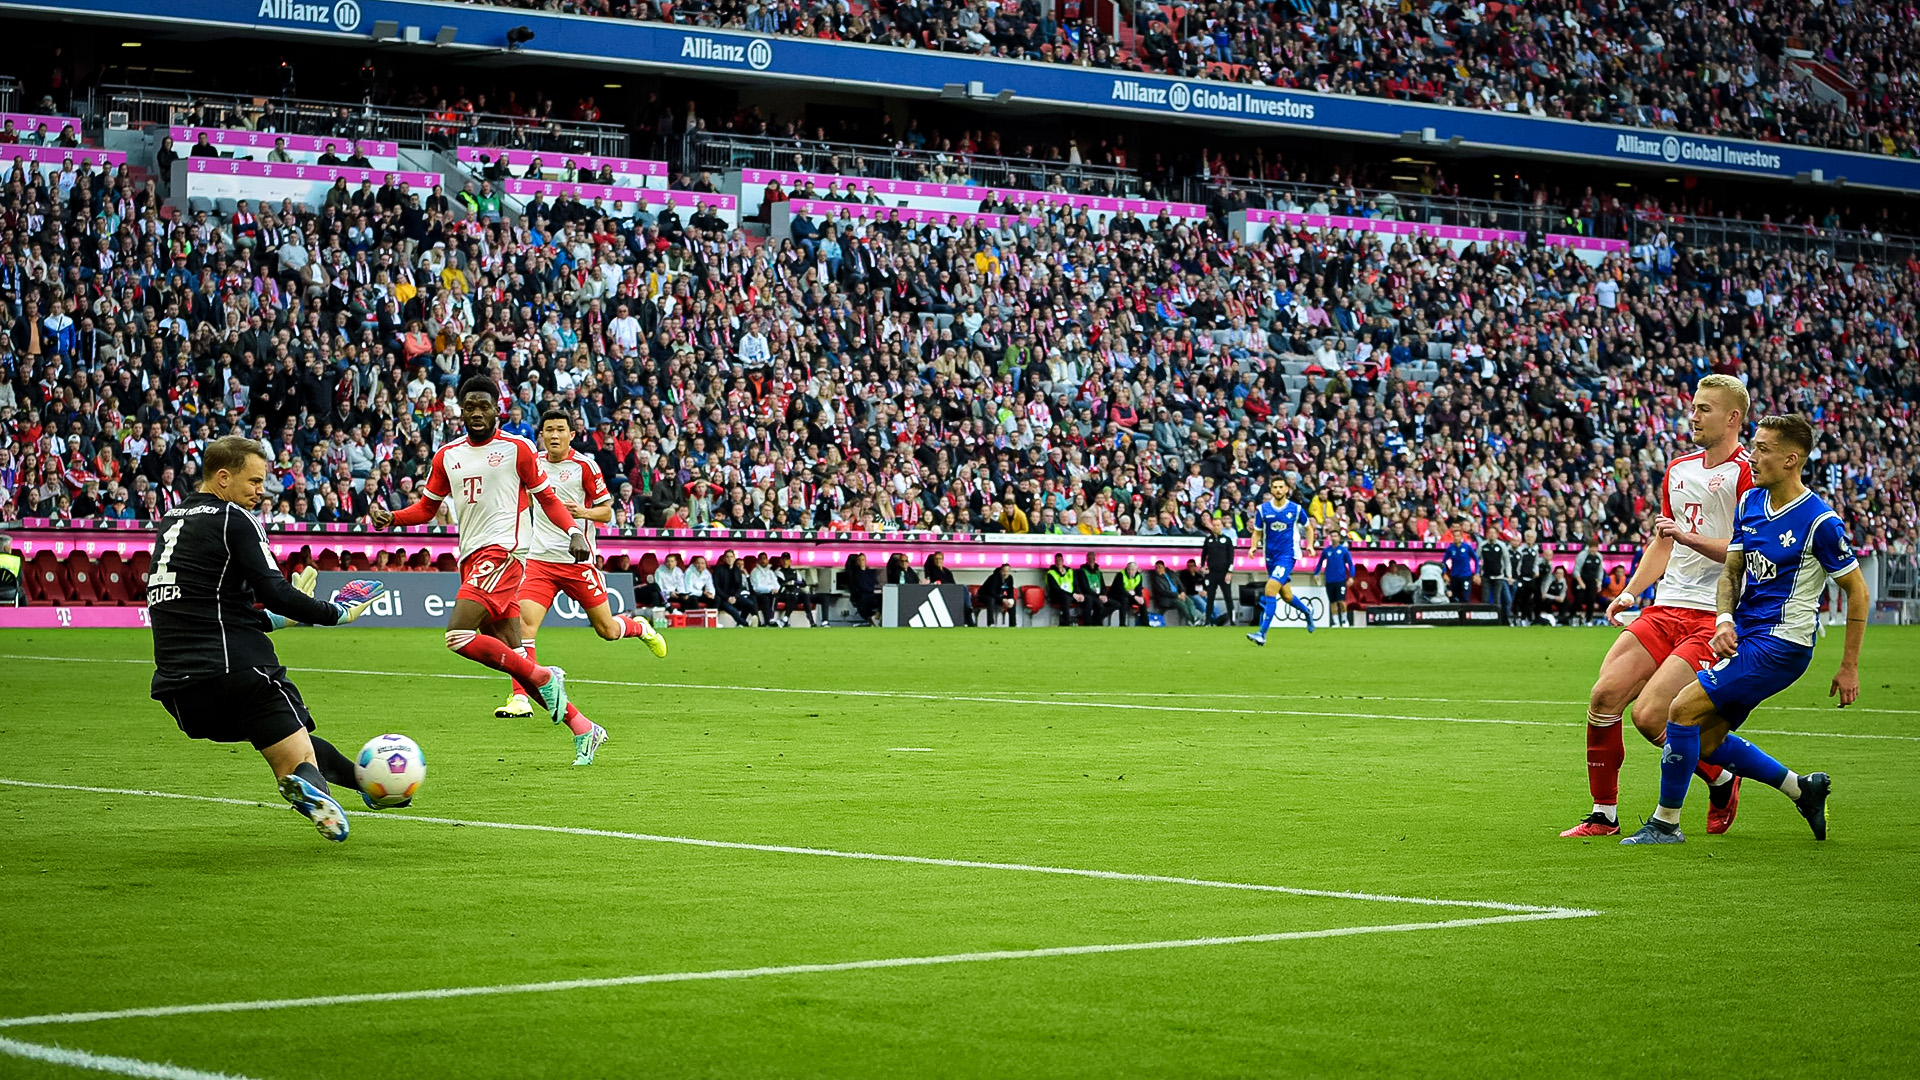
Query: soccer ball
{"x": 390, "y": 769}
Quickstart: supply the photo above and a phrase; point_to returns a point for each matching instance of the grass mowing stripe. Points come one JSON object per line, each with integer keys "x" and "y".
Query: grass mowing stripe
{"x": 865, "y": 856}
{"x": 977, "y": 699}
{"x": 80, "y": 1059}
{"x": 761, "y": 972}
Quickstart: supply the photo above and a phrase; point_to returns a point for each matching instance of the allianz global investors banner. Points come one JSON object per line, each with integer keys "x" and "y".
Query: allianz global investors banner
{"x": 424, "y": 599}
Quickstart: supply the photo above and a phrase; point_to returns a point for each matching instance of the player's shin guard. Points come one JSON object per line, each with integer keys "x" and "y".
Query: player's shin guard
{"x": 1605, "y": 752}
{"x": 1677, "y": 764}
{"x": 1269, "y": 607}
{"x": 1748, "y": 760}
{"x": 494, "y": 653}
{"x": 577, "y": 721}
{"x": 334, "y": 765}
{"x": 526, "y": 650}
{"x": 1705, "y": 770}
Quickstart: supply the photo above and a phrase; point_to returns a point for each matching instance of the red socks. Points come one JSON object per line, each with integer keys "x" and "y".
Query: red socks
{"x": 1605, "y": 752}
{"x": 577, "y": 721}
{"x": 631, "y": 627}
{"x": 518, "y": 687}
{"x": 494, "y": 653}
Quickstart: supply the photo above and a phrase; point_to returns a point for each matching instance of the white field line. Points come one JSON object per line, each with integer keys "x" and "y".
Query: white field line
{"x": 754, "y": 973}
{"x": 865, "y": 856}
{"x": 80, "y": 1059}
{"x": 1189, "y": 695}
{"x": 1049, "y": 702}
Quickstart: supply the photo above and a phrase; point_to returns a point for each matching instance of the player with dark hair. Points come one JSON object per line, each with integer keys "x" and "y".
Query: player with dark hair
{"x": 1659, "y": 652}
{"x": 485, "y": 479}
{"x": 1787, "y": 542}
{"x": 550, "y": 569}
{"x": 215, "y": 671}
{"x": 1280, "y": 523}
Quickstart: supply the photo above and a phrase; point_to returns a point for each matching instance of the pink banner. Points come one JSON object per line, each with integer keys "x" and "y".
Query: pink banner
{"x": 520, "y": 159}
{"x": 1584, "y": 243}
{"x": 650, "y": 196}
{"x": 73, "y": 618}
{"x": 856, "y": 186}
{"x": 1386, "y": 227}
{"x": 867, "y": 211}
{"x": 85, "y": 157}
{"x": 185, "y": 137}
{"x": 25, "y": 124}
{"x": 309, "y": 173}
{"x": 821, "y": 550}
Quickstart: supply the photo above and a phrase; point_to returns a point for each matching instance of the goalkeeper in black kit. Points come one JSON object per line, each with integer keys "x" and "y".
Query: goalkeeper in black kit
{"x": 215, "y": 671}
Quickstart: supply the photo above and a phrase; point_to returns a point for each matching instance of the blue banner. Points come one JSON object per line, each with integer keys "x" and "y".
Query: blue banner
{"x": 912, "y": 73}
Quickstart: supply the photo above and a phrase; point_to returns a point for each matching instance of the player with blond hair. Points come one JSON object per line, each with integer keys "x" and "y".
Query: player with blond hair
{"x": 1659, "y": 652}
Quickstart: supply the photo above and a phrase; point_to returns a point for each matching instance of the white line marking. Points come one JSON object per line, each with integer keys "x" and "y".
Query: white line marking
{"x": 1046, "y": 702}
{"x": 910, "y": 750}
{"x": 80, "y": 1059}
{"x": 759, "y": 972}
{"x": 1439, "y": 700}
{"x": 867, "y": 856}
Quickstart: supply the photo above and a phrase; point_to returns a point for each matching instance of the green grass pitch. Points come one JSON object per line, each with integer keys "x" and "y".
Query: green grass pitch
{"x": 1417, "y": 764}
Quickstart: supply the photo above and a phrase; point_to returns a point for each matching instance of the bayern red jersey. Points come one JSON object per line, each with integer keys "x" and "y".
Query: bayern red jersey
{"x": 578, "y": 481}
{"x": 486, "y": 488}
{"x": 1703, "y": 500}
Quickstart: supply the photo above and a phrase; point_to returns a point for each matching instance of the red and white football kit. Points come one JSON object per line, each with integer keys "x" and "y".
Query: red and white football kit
{"x": 486, "y": 486}
{"x": 577, "y": 481}
{"x": 1703, "y": 500}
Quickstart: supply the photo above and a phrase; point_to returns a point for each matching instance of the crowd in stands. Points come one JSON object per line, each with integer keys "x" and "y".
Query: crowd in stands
{"x": 1714, "y": 69}
{"x": 1131, "y": 378}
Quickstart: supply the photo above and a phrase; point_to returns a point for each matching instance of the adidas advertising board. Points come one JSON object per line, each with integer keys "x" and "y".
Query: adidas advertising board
{"x": 923, "y": 607}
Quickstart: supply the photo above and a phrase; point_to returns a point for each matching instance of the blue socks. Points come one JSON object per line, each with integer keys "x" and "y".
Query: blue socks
{"x": 1677, "y": 763}
{"x": 1745, "y": 759}
{"x": 1296, "y": 604}
{"x": 1269, "y": 607}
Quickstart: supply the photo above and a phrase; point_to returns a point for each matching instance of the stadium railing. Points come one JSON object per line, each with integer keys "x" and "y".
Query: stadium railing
{"x": 359, "y": 120}
{"x": 729, "y": 153}
{"x": 10, "y": 93}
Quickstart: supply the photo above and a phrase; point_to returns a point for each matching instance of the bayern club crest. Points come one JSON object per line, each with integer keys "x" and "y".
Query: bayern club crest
{"x": 1715, "y": 482}
{"x": 494, "y": 459}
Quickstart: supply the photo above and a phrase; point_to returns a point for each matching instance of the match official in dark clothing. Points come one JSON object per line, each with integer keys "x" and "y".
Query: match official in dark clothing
{"x": 1216, "y": 553}
{"x": 215, "y": 671}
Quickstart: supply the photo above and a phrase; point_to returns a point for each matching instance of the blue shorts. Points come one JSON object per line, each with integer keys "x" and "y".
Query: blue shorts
{"x": 1763, "y": 667}
{"x": 1280, "y": 570}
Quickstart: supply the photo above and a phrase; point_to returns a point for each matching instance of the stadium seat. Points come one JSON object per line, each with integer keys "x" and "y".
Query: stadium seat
{"x": 446, "y": 563}
{"x": 137, "y": 565}
{"x": 328, "y": 561}
{"x": 1034, "y": 598}
{"x": 649, "y": 565}
{"x": 80, "y": 586}
{"x": 618, "y": 564}
{"x": 47, "y": 582}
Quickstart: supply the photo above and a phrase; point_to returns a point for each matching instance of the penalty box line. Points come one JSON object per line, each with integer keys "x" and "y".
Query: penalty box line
{"x": 1059, "y": 700}
{"x": 864, "y": 856}
{"x": 442, "y": 993}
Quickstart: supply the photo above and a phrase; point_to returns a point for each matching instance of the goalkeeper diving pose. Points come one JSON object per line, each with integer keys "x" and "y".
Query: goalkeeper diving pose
{"x": 215, "y": 671}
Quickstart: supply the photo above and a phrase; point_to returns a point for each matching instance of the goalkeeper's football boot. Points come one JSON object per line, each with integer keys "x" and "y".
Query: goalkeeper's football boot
{"x": 1656, "y": 831}
{"x": 585, "y": 746}
{"x": 517, "y": 707}
{"x": 652, "y": 638}
{"x": 553, "y": 694}
{"x": 1723, "y": 803}
{"x": 1595, "y": 824}
{"x": 1257, "y": 638}
{"x": 1814, "y": 789}
{"x": 316, "y": 805}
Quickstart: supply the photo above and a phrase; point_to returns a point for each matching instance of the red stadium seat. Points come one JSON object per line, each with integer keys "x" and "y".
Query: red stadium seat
{"x": 649, "y": 565}
{"x": 447, "y": 564}
{"x": 619, "y": 564}
{"x": 80, "y": 585}
{"x": 1034, "y": 597}
{"x": 47, "y": 583}
{"x": 138, "y": 564}
{"x": 115, "y": 579}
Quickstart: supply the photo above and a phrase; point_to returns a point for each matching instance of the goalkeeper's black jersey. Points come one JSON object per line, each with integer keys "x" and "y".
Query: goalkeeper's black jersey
{"x": 211, "y": 564}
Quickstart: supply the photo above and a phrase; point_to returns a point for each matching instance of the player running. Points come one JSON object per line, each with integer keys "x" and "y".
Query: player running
{"x": 1280, "y": 523}
{"x": 551, "y": 569}
{"x": 1657, "y": 654}
{"x": 215, "y": 671}
{"x": 486, "y": 479}
{"x": 1787, "y": 543}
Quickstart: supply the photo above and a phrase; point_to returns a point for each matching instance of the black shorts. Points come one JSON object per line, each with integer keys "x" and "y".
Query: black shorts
{"x": 1336, "y": 592}
{"x": 254, "y": 705}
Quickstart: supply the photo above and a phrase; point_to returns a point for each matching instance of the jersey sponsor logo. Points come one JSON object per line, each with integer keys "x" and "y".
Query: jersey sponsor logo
{"x": 1760, "y": 568}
